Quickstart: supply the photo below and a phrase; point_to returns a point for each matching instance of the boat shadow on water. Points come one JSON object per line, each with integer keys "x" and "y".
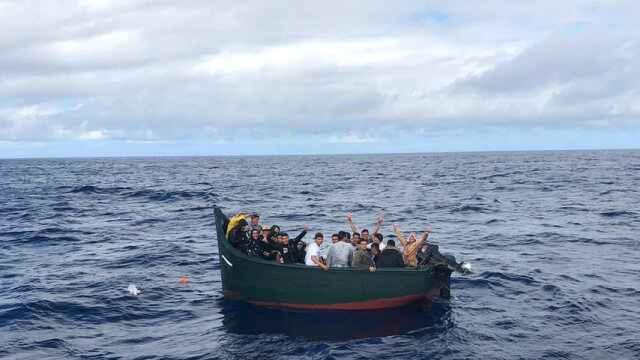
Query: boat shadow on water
{"x": 246, "y": 319}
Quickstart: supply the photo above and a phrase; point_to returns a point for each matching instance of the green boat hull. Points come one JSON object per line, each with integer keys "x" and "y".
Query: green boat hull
{"x": 294, "y": 286}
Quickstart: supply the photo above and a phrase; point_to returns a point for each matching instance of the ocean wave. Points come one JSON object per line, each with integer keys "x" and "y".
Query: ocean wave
{"x": 523, "y": 279}
{"x": 48, "y": 240}
{"x": 164, "y": 195}
{"x": 618, "y": 213}
{"x": 472, "y": 208}
{"x": 90, "y": 189}
{"x": 499, "y": 175}
{"x": 148, "y": 222}
{"x": 613, "y": 191}
{"x": 494, "y": 221}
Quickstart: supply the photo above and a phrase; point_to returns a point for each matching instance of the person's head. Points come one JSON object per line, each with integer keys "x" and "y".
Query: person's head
{"x": 243, "y": 224}
{"x": 342, "y": 236}
{"x": 377, "y": 238}
{"x": 335, "y": 238}
{"x": 275, "y": 229}
{"x": 391, "y": 243}
{"x": 255, "y": 219}
{"x": 364, "y": 234}
{"x": 255, "y": 234}
{"x": 411, "y": 238}
{"x": 266, "y": 232}
{"x": 284, "y": 238}
{"x": 319, "y": 238}
{"x": 356, "y": 237}
{"x": 375, "y": 248}
{"x": 347, "y": 236}
{"x": 362, "y": 244}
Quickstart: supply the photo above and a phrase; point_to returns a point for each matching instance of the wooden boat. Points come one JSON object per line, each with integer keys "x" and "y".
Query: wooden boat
{"x": 296, "y": 286}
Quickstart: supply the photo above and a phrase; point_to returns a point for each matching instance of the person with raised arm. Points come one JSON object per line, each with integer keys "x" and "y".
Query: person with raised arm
{"x": 365, "y": 233}
{"x": 411, "y": 245}
{"x": 289, "y": 249}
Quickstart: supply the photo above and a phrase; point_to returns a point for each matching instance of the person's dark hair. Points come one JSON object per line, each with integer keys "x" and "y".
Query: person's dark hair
{"x": 256, "y": 231}
{"x": 391, "y": 243}
{"x": 378, "y": 236}
{"x": 364, "y": 231}
{"x": 342, "y": 235}
{"x": 273, "y": 229}
{"x": 318, "y": 235}
{"x": 347, "y": 235}
{"x": 283, "y": 234}
{"x": 375, "y": 246}
{"x": 336, "y": 235}
{"x": 356, "y": 234}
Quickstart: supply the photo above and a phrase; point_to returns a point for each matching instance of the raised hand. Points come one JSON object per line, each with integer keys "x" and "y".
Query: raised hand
{"x": 428, "y": 229}
{"x": 350, "y": 217}
{"x": 395, "y": 227}
{"x": 306, "y": 227}
{"x": 380, "y": 219}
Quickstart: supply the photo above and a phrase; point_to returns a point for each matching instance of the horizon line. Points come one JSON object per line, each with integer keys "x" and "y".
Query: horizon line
{"x": 313, "y": 154}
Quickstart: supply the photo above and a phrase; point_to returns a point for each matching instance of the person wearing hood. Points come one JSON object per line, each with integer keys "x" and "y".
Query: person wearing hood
{"x": 411, "y": 245}
{"x": 238, "y": 236}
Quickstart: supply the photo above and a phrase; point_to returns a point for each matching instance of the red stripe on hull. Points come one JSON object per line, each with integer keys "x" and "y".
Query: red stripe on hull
{"x": 357, "y": 305}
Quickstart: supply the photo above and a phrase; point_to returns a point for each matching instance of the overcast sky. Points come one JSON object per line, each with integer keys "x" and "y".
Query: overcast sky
{"x": 202, "y": 77}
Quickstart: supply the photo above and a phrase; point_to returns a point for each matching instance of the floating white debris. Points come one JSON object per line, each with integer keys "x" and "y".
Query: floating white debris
{"x": 133, "y": 290}
{"x": 466, "y": 266}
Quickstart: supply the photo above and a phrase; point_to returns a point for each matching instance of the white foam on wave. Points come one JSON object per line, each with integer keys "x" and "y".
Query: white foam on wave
{"x": 466, "y": 266}
{"x": 133, "y": 290}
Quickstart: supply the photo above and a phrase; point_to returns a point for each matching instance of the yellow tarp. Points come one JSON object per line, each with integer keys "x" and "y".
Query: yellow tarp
{"x": 234, "y": 221}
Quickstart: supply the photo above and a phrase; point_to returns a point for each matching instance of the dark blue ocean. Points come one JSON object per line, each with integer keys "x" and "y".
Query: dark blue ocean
{"x": 553, "y": 239}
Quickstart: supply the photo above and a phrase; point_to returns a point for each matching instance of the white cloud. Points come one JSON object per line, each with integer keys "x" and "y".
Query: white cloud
{"x": 154, "y": 71}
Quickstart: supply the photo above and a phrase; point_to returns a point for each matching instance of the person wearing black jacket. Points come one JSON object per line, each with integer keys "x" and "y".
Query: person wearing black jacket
{"x": 390, "y": 256}
{"x": 238, "y": 237}
{"x": 265, "y": 247}
{"x": 290, "y": 250}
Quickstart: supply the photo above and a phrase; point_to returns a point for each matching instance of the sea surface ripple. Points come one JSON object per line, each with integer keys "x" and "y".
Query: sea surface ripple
{"x": 552, "y": 237}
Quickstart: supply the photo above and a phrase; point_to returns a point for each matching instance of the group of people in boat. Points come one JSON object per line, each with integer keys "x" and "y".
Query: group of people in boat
{"x": 357, "y": 249}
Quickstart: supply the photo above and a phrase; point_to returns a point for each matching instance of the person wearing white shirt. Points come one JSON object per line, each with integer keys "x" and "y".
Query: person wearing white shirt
{"x": 312, "y": 258}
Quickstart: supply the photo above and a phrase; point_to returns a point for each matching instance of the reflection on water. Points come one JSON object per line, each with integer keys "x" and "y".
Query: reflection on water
{"x": 243, "y": 318}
